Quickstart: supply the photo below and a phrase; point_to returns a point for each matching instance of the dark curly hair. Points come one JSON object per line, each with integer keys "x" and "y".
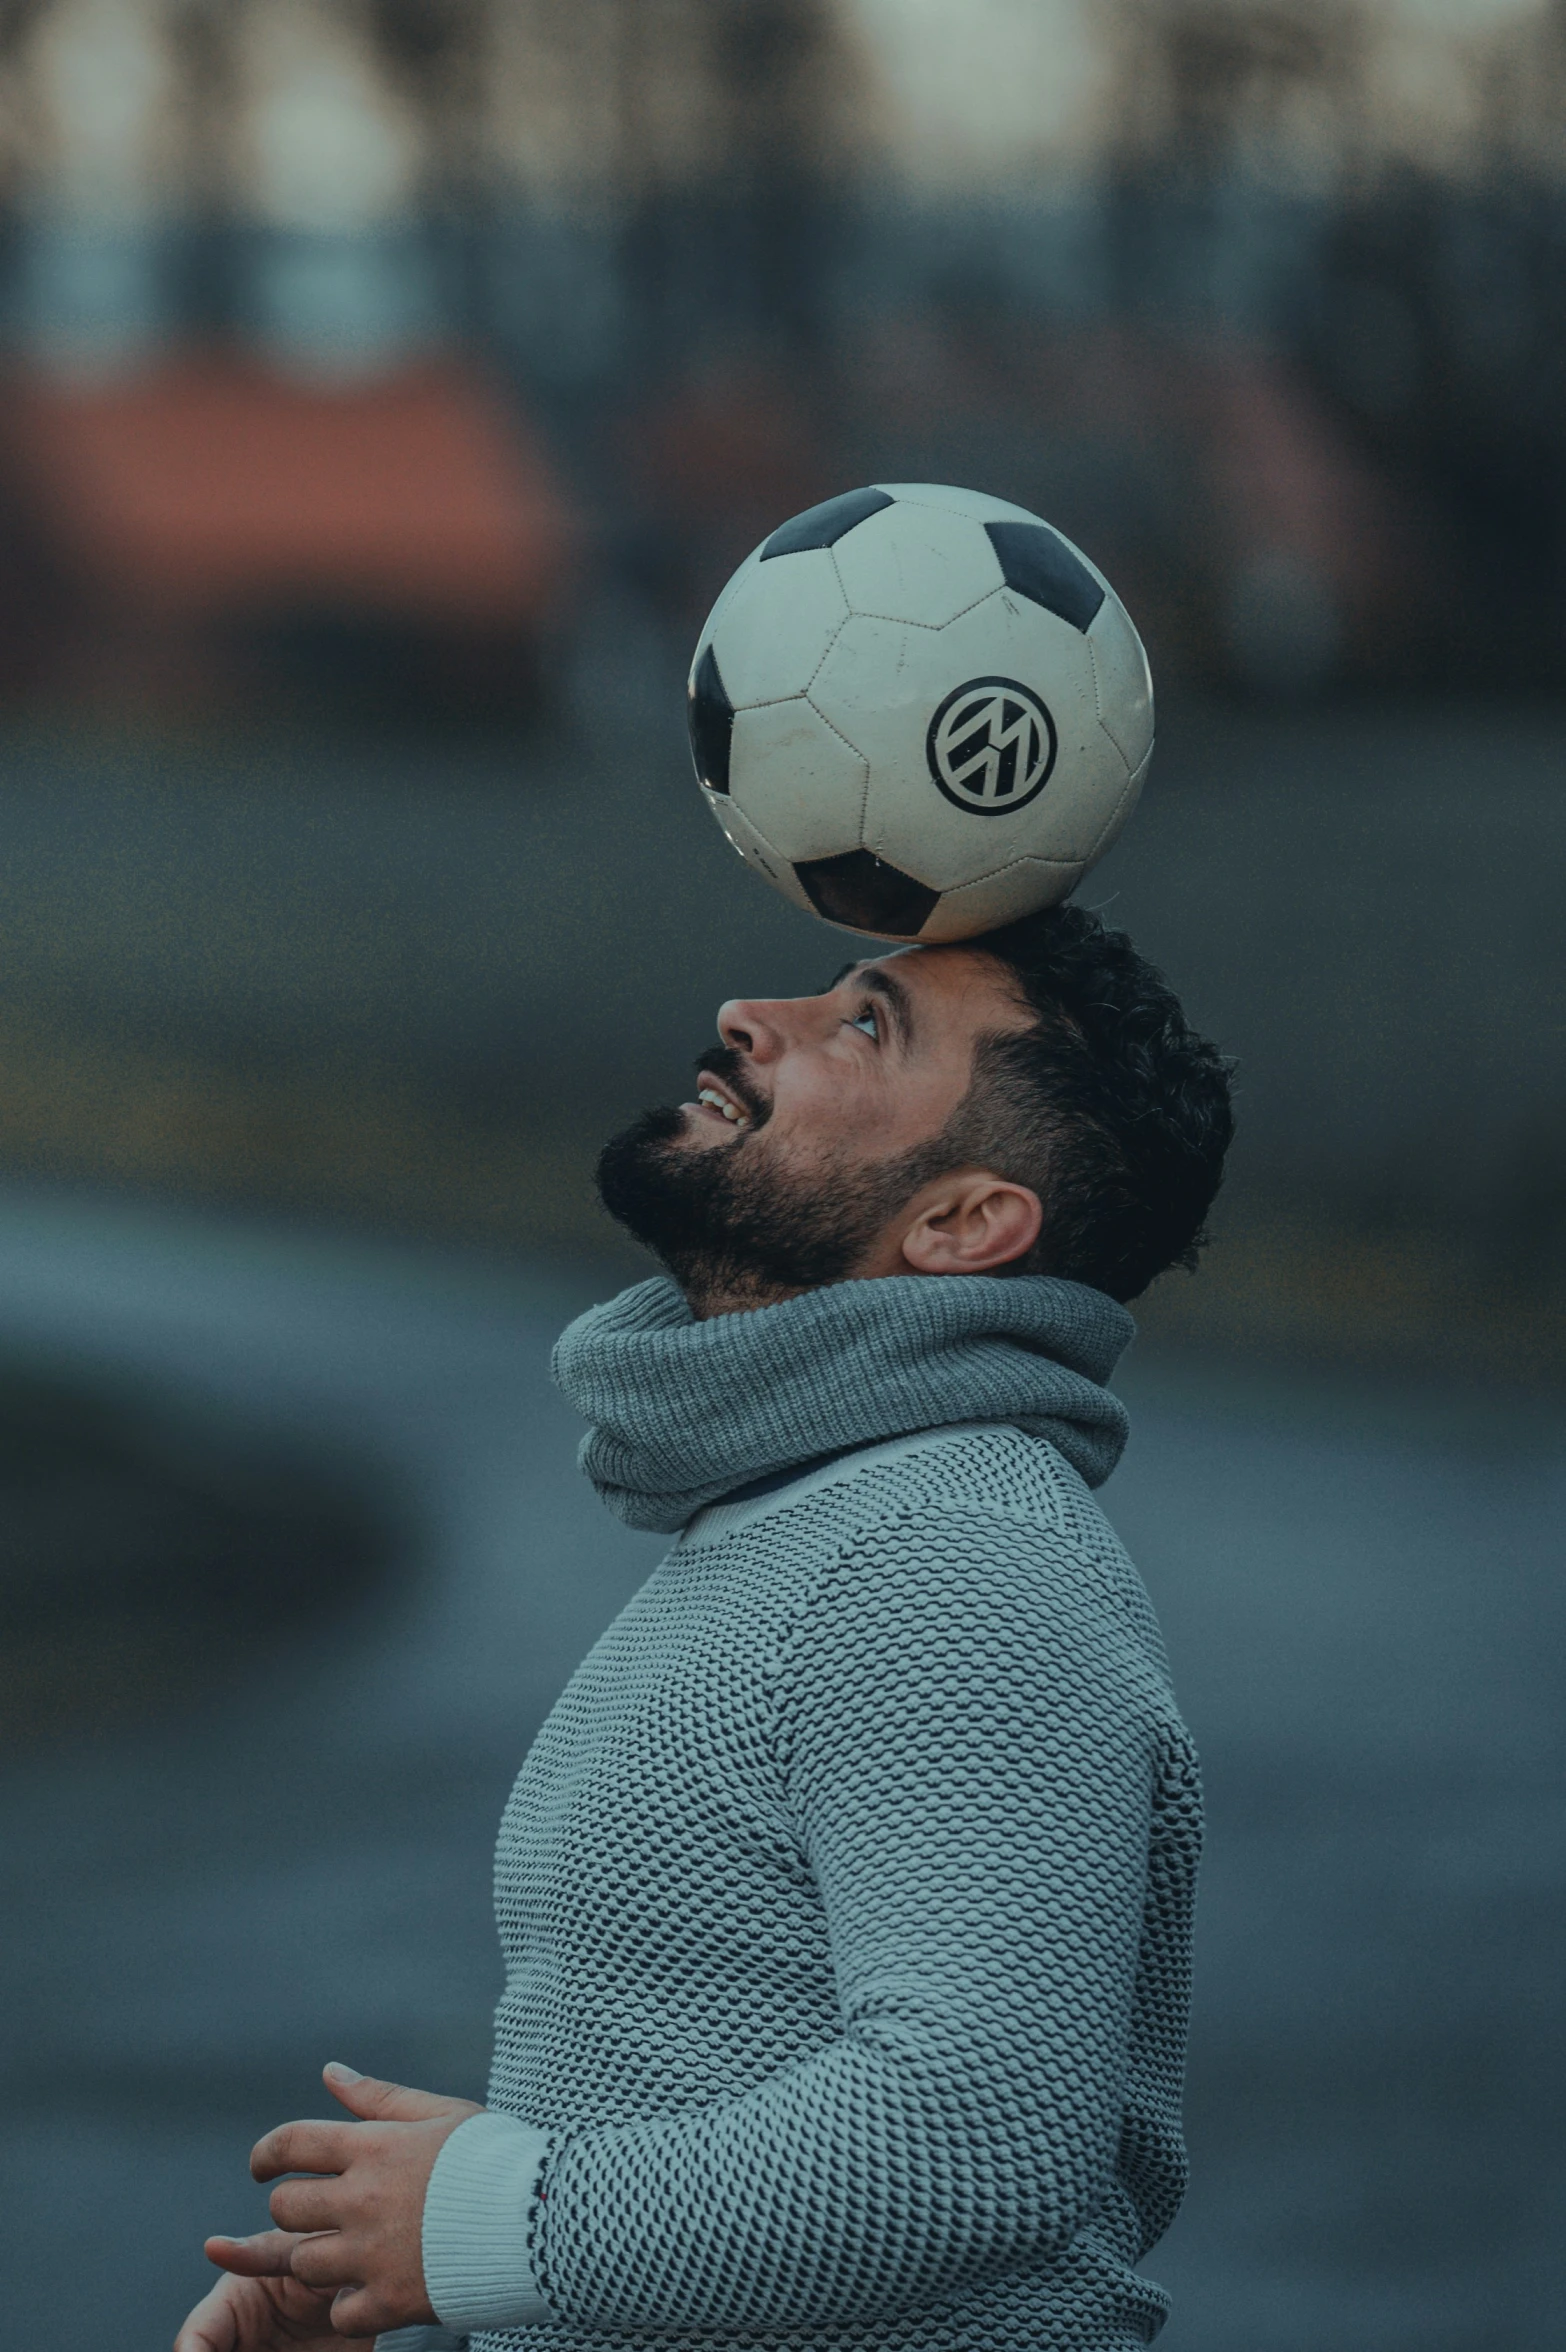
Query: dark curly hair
{"x": 1111, "y": 1107}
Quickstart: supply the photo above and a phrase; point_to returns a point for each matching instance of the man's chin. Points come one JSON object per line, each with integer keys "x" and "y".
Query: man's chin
{"x": 652, "y": 1180}
{"x": 749, "y": 1232}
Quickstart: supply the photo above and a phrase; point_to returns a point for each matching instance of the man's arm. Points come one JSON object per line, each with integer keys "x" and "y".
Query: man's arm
{"x": 966, "y": 1736}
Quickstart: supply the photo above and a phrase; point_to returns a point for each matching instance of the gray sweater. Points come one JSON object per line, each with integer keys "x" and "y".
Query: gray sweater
{"x": 846, "y": 1893}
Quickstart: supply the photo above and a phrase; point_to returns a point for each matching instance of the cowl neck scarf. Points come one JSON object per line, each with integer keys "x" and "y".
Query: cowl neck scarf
{"x": 682, "y": 1412}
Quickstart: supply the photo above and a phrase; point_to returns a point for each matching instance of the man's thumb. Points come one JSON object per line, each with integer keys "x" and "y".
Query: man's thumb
{"x": 365, "y": 2095}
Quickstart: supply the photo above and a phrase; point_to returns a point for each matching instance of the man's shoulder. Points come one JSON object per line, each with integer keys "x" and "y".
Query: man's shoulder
{"x": 995, "y": 1509}
{"x": 977, "y": 1471}
{"x": 991, "y": 1465}
{"x": 962, "y": 1477}
{"x": 986, "y": 1537}
{"x": 956, "y": 1535}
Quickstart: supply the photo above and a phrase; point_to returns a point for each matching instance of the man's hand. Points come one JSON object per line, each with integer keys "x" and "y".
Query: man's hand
{"x": 261, "y": 2306}
{"x": 346, "y": 2257}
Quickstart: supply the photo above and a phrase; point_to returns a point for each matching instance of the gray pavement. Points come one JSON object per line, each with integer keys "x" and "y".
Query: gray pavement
{"x": 1362, "y": 1595}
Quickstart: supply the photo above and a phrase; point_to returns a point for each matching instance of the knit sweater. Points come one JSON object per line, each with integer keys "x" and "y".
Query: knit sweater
{"x": 845, "y": 1894}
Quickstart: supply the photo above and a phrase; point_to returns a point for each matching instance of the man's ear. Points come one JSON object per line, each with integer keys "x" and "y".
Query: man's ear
{"x": 971, "y": 1223}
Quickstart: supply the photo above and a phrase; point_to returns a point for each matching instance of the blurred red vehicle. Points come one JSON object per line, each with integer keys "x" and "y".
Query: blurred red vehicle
{"x": 207, "y": 530}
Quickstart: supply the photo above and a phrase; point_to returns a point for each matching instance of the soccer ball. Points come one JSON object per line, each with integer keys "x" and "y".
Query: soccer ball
{"x": 920, "y": 712}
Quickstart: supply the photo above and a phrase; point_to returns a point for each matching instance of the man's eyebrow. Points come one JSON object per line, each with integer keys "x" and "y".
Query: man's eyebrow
{"x": 878, "y": 981}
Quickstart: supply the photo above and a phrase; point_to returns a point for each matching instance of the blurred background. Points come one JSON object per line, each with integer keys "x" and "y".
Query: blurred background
{"x": 386, "y": 389}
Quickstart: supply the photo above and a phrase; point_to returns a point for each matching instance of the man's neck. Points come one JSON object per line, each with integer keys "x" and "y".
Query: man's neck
{"x": 706, "y": 1300}
{"x": 731, "y": 1290}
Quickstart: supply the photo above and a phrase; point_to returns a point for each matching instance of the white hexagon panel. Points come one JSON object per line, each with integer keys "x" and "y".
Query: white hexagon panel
{"x": 798, "y": 779}
{"x": 916, "y": 564}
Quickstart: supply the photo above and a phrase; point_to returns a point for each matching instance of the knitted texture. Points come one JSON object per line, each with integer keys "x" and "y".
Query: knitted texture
{"x": 683, "y": 1411}
{"x": 845, "y": 1895}
{"x": 476, "y": 2209}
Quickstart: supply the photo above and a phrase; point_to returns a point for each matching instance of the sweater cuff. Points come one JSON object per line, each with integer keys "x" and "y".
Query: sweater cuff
{"x": 476, "y": 2268}
{"x": 420, "y": 2339}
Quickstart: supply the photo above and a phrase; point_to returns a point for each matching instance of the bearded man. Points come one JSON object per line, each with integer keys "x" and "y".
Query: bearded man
{"x": 846, "y": 1893}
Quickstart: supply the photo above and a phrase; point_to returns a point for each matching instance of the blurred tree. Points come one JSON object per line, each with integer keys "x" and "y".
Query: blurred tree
{"x": 1384, "y": 198}
{"x": 1441, "y": 333}
{"x": 709, "y": 131}
{"x": 1268, "y": 87}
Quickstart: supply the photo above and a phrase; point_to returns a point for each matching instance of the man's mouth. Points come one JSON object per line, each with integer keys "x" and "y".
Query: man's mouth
{"x": 715, "y": 1098}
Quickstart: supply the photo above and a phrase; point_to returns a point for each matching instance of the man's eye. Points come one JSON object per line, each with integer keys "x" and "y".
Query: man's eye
{"x": 868, "y": 1023}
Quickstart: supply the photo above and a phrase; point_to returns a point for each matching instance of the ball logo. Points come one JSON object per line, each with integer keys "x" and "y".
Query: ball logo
{"x": 991, "y": 746}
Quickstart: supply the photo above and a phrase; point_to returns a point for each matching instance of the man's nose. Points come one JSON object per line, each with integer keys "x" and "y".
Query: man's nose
{"x": 757, "y": 1026}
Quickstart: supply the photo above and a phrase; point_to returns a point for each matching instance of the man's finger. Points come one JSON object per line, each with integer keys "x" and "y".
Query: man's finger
{"x": 305, "y": 2206}
{"x": 385, "y": 2102}
{"x": 302, "y": 2147}
{"x": 214, "y": 2324}
{"x": 359, "y": 2313}
{"x": 320, "y": 2263}
{"x": 267, "y": 2254}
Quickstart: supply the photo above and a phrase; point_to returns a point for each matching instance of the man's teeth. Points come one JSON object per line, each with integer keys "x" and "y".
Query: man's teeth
{"x": 721, "y": 1102}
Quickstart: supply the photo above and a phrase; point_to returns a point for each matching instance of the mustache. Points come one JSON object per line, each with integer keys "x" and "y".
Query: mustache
{"x": 728, "y": 1064}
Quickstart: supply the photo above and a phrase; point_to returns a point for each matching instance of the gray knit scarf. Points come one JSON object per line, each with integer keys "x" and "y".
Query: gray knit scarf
{"x": 683, "y": 1412}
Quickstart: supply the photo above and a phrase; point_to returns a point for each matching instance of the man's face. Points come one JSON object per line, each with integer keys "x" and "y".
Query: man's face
{"x": 814, "y": 1122}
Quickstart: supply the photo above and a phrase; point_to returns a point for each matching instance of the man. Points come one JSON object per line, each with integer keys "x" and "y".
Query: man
{"x": 846, "y": 1893}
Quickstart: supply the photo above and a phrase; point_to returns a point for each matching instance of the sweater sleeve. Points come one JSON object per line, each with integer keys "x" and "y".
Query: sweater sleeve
{"x": 967, "y": 1743}
{"x": 477, "y": 2271}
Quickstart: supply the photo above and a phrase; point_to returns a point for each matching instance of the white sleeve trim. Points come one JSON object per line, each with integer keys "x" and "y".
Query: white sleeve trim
{"x": 420, "y": 2339}
{"x": 476, "y": 2270}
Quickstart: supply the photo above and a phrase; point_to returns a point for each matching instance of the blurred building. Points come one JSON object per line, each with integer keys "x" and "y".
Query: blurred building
{"x": 1257, "y": 297}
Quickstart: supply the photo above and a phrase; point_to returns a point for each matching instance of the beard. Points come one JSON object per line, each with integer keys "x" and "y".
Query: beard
{"x": 731, "y": 1223}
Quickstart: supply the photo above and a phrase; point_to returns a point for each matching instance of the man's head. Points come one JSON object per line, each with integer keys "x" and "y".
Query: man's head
{"x": 1031, "y": 1101}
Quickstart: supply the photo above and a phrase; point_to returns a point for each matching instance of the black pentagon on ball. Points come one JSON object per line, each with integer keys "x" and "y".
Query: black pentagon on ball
{"x": 710, "y": 715}
{"x": 865, "y": 893}
{"x": 824, "y": 525}
{"x": 1037, "y": 562}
